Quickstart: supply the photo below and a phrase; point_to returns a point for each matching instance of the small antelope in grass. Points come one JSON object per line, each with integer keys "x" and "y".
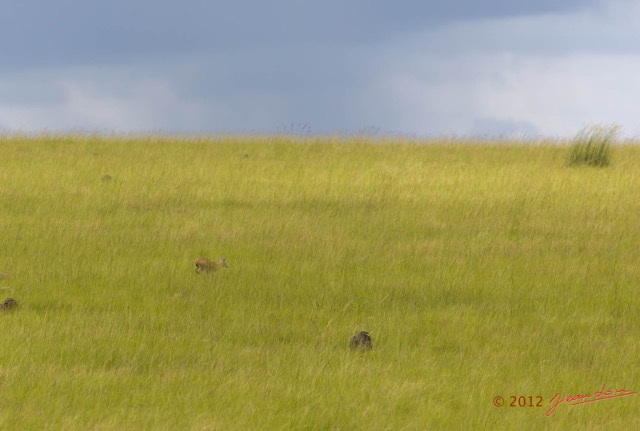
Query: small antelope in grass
{"x": 207, "y": 265}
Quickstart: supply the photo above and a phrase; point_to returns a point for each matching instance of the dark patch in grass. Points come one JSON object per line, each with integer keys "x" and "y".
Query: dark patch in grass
{"x": 361, "y": 341}
{"x": 9, "y": 304}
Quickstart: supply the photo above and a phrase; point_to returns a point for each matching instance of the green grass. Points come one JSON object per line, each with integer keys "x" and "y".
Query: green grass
{"x": 592, "y": 146}
{"x": 478, "y": 269}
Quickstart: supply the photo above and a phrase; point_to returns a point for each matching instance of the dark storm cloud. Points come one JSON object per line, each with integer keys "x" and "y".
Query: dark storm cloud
{"x": 417, "y": 67}
{"x": 36, "y": 33}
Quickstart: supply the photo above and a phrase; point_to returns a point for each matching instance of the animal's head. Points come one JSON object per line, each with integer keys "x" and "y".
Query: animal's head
{"x": 223, "y": 263}
{"x": 361, "y": 341}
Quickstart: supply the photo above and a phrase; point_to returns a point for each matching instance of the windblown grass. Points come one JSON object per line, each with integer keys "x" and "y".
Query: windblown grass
{"x": 479, "y": 271}
{"x": 592, "y": 146}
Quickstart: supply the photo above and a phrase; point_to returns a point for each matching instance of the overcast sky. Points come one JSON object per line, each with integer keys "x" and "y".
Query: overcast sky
{"x": 417, "y": 67}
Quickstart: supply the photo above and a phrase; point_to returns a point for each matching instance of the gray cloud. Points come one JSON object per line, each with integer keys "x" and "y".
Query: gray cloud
{"x": 36, "y": 33}
{"x": 491, "y": 126}
{"x": 425, "y": 67}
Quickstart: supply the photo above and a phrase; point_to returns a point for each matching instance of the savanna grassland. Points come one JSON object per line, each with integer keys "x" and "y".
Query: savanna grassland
{"x": 479, "y": 269}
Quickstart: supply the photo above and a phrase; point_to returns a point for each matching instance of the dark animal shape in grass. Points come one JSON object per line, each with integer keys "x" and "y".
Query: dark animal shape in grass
{"x": 361, "y": 341}
{"x": 207, "y": 265}
{"x": 8, "y": 304}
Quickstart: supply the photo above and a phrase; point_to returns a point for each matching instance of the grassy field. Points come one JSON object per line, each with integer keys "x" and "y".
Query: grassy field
{"x": 480, "y": 270}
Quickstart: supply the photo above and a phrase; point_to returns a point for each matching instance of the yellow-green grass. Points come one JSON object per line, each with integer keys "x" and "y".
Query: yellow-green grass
{"x": 479, "y": 269}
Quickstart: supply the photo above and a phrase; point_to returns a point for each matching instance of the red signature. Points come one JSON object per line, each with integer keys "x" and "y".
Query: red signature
{"x": 576, "y": 400}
